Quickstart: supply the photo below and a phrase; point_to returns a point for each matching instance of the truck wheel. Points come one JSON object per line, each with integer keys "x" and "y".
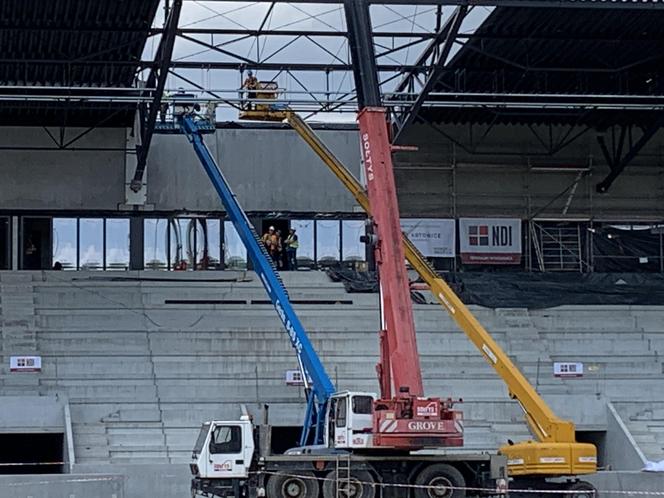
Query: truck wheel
{"x": 302, "y": 485}
{"x": 441, "y": 481}
{"x": 579, "y": 487}
{"x": 360, "y": 485}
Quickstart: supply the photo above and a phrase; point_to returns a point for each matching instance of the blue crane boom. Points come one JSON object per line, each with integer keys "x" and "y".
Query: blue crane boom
{"x": 321, "y": 387}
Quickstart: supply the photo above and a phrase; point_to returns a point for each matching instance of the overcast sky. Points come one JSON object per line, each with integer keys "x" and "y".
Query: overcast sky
{"x": 295, "y": 17}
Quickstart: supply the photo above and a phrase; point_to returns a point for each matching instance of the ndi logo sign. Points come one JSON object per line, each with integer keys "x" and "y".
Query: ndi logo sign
{"x": 495, "y": 241}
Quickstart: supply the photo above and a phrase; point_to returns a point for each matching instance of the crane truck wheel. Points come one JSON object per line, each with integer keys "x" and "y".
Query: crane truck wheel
{"x": 440, "y": 481}
{"x": 302, "y": 485}
{"x": 577, "y": 490}
{"x": 359, "y": 485}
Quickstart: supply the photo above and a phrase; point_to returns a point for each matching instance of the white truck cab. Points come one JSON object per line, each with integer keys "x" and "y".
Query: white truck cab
{"x": 349, "y": 420}
{"x": 224, "y": 449}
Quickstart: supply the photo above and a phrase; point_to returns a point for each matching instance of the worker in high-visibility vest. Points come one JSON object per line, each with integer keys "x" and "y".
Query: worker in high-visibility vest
{"x": 291, "y": 249}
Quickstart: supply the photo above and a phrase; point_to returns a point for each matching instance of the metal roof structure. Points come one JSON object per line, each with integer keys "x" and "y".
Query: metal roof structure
{"x": 593, "y": 67}
{"x": 595, "y": 64}
{"x": 52, "y": 49}
{"x": 533, "y": 65}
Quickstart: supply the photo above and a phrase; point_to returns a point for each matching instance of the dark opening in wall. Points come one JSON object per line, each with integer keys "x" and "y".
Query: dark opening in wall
{"x": 598, "y": 438}
{"x": 36, "y": 242}
{"x": 5, "y": 243}
{"x": 33, "y": 453}
{"x": 285, "y": 438}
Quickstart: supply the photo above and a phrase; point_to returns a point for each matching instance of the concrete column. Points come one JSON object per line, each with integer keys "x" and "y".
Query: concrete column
{"x": 136, "y": 243}
{"x": 16, "y": 246}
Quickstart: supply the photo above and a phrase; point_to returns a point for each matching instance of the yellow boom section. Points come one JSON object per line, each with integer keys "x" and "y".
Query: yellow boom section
{"x": 557, "y": 452}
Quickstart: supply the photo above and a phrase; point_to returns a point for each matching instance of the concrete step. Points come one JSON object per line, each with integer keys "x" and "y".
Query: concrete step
{"x": 82, "y": 430}
{"x": 91, "y": 440}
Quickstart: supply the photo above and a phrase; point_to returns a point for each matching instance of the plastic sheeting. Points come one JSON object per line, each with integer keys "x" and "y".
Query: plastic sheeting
{"x": 545, "y": 290}
{"x": 654, "y": 466}
{"x": 533, "y": 290}
{"x": 354, "y": 281}
{"x": 625, "y": 250}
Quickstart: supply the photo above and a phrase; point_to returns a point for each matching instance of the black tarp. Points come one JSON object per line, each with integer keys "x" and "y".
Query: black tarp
{"x": 535, "y": 290}
{"x": 354, "y": 281}
{"x": 545, "y": 290}
{"x": 617, "y": 249}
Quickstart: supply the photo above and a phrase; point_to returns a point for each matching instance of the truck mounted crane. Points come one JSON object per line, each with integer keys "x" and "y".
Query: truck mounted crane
{"x": 556, "y": 452}
{"x": 358, "y": 444}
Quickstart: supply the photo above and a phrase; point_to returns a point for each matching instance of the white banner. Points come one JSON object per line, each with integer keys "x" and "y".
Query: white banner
{"x": 433, "y": 237}
{"x": 494, "y": 241}
{"x": 25, "y": 364}
{"x": 294, "y": 378}
{"x": 567, "y": 369}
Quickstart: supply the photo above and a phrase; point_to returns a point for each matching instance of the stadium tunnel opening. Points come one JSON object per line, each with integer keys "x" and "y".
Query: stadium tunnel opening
{"x": 32, "y": 453}
{"x": 598, "y": 438}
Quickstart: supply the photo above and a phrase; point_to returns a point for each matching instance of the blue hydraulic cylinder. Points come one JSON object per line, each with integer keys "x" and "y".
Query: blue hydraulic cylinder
{"x": 321, "y": 383}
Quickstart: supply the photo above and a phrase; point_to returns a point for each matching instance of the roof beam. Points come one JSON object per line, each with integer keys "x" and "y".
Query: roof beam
{"x": 157, "y": 78}
{"x": 360, "y": 42}
{"x": 288, "y": 32}
{"x": 426, "y": 53}
{"x": 439, "y": 65}
{"x": 572, "y": 4}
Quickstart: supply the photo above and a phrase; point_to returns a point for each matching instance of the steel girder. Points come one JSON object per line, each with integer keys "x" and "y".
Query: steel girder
{"x": 157, "y": 79}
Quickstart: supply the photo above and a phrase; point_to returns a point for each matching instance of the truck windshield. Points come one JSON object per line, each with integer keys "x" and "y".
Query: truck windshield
{"x": 202, "y": 436}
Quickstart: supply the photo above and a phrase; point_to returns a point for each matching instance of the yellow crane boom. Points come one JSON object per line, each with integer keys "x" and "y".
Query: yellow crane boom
{"x": 556, "y": 451}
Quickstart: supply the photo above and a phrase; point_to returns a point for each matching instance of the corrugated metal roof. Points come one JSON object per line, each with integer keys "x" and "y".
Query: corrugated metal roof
{"x": 71, "y": 43}
{"x": 558, "y": 51}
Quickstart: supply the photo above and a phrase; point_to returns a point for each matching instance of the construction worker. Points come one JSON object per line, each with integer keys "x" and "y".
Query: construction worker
{"x": 272, "y": 244}
{"x": 291, "y": 249}
{"x": 163, "y": 110}
{"x": 251, "y": 85}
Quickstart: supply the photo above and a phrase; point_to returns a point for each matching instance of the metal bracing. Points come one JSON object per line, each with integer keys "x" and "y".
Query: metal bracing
{"x": 439, "y": 38}
{"x": 573, "y": 4}
{"x": 615, "y": 160}
{"x": 157, "y": 79}
{"x": 447, "y": 39}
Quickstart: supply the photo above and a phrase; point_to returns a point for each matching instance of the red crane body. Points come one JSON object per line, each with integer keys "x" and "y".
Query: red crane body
{"x": 403, "y": 417}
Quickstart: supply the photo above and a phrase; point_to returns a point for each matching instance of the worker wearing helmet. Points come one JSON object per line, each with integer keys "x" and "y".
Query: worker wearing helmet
{"x": 272, "y": 243}
{"x": 292, "y": 244}
{"x": 251, "y": 85}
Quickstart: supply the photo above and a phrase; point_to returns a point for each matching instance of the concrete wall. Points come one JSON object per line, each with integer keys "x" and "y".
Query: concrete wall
{"x": 65, "y": 486}
{"x": 621, "y": 449}
{"x": 486, "y": 171}
{"x": 269, "y": 170}
{"x": 489, "y": 171}
{"x": 31, "y": 413}
{"x": 645, "y": 483}
{"x": 147, "y": 481}
{"x": 81, "y": 178}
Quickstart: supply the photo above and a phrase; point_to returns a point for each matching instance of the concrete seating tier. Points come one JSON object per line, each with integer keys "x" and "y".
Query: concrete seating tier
{"x": 144, "y": 358}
